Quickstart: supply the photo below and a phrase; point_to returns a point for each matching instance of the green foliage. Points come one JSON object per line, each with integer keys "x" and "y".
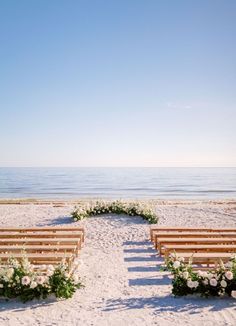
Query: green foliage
{"x": 217, "y": 282}
{"x": 62, "y": 286}
{"x": 20, "y": 279}
{"x": 115, "y": 207}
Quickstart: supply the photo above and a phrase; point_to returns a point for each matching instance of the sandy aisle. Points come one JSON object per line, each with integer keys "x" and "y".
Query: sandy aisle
{"x": 119, "y": 268}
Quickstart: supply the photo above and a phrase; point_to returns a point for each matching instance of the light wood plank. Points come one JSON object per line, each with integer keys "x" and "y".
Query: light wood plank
{"x": 36, "y": 258}
{"x": 42, "y": 241}
{"x": 198, "y": 248}
{"x": 155, "y": 229}
{"x": 206, "y": 258}
{"x": 219, "y": 240}
{"x": 37, "y": 248}
{"x": 43, "y": 229}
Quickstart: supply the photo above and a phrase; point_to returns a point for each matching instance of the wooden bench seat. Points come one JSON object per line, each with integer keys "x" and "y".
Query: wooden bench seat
{"x": 11, "y": 249}
{"x": 199, "y": 234}
{"x": 38, "y": 259}
{"x": 44, "y": 229}
{"x": 192, "y": 235}
{"x": 157, "y": 229}
{"x": 49, "y": 241}
{"x": 206, "y": 258}
{"x": 218, "y": 240}
{"x": 198, "y": 248}
{"x": 58, "y": 236}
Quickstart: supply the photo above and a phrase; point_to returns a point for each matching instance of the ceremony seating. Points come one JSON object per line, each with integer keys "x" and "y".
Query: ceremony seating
{"x": 41, "y": 245}
{"x": 202, "y": 245}
{"x": 154, "y": 230}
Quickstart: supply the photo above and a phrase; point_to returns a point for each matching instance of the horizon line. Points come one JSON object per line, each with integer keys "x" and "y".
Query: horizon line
{"x": 111, "y": 166}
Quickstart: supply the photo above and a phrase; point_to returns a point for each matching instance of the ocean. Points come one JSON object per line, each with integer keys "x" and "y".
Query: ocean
{"x": 138, "y": 183}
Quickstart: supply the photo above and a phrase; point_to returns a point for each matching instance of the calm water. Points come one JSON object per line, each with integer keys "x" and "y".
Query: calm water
{"x": 118, "y": 182}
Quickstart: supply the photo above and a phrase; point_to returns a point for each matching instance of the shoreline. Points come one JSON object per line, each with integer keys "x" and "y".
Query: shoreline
{"x": 158, "y": 201}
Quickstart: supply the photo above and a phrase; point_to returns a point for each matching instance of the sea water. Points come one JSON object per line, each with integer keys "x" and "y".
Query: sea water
{"x": 168, "y": 183}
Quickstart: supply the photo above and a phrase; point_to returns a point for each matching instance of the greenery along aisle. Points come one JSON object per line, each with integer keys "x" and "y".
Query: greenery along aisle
{"x": 115, "y": 207}
{"x": 216, "y": 282}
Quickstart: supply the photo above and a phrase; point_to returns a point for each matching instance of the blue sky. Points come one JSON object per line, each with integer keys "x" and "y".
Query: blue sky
{"x": 117, "y": 83}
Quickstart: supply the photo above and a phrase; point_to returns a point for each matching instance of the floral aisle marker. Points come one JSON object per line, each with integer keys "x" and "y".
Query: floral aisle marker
{"x": 217, "y": 282}
{"x": 21, "y": 279}
{"x": 115, "y": 207}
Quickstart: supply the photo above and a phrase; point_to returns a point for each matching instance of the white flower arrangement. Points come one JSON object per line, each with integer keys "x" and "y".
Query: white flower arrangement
{"x": 116, "y": 207}
{"x": 217, "y": 282}
{"x": 21, "y": 279}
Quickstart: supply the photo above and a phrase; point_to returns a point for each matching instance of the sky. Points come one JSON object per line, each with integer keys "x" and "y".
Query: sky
{"x": 117, "y": 83}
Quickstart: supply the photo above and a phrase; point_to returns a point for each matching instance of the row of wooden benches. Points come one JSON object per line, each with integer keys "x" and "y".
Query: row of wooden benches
{"x": 203, "y": 245}
{"x": 41, "y": 245}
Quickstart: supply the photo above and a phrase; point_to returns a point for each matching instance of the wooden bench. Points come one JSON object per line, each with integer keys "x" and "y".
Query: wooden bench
{"x": 157, "y": 229}
{"x": 206, "y": 258}
{"x": 204, "y": 245}
{"x": 39, "y": 259}
{"x": 44, "y": 229}
{"x": 46, "y": 245}
{"x": 196, "y": 241}
{"x": 193, "y": 248}
{"x": 185, "y": 235}
{"x": 11, "y": 249}
{"x": 41, "y": 241}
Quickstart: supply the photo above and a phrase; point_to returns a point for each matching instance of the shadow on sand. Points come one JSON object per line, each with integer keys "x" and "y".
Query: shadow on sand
{"x": 170, "y": 304}
{"x": 60, "y": 220}
{"x": 144, "y": 281}
{"x": 16, "y": 305}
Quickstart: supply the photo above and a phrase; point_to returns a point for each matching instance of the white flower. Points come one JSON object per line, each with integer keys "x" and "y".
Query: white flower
{"x": 15, "y": 263}
{"x": 181, "y": 259}
{"x": 229, "y": 275}
{"x": 209, "y": 276}
{"x": 213, "y": 282}
{"x": 40, "y": 280}
{"x": 190, "y": 284}
{"x": 185, "y": 275}
{"x": 229, "y": 264}
{"x": 26, "y": 266}
{"x": 1, "y": 286}
{"x": 33, "y": 285}
{"x": 10, "y": 272}
{"x": 223, "y": 283}
{"x": 196, "y": 284}
{"x": 50, "y": 272}
{"x": 51, "y": 267}
{"x": 46, "y": 279}
{"x": 203, "y": 274}
{"x": 233, "y": 294}
{"x": 176, "y": 264}
{"x": 75, "y": 219}
{"x": 25, "y": 280}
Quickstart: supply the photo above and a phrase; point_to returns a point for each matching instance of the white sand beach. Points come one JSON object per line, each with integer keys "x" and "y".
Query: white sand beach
{"x": 120, "y": 271}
